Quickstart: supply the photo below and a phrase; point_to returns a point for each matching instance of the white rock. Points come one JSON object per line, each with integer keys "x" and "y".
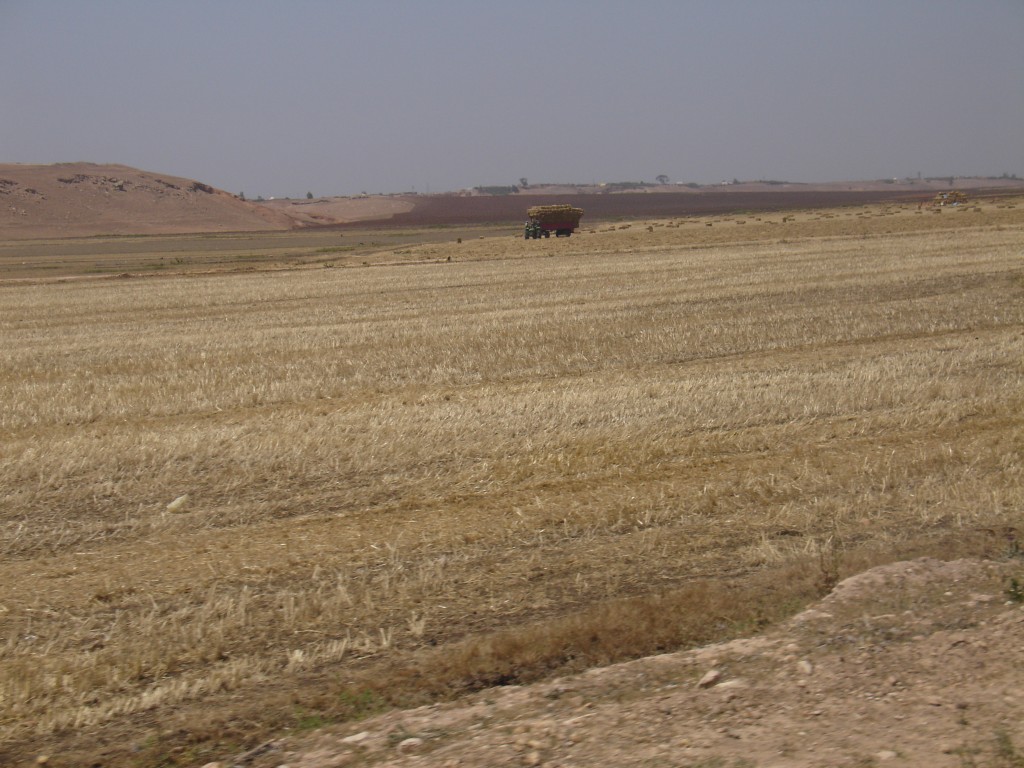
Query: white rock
{"x": 179, "y": 504}
{"x": 410, "y": 744}
{"x": 736, "y": 682}
{"x": 356, "y": 738}
{"x": 710, "y": 678}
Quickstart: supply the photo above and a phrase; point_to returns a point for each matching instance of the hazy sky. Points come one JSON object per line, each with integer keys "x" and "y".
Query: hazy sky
{"x": 280, "y": 98}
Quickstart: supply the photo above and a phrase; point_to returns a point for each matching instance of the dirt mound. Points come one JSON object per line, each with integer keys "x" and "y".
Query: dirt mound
{"x": 84, "y": 199}
{"x": 914, "y": 663}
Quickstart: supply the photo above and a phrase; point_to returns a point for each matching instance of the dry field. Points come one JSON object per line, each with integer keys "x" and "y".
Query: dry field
{"x": 248, "y": 500}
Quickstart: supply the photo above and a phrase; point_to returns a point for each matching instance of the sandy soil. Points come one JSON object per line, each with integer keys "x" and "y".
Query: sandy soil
{"x": 915, "y": 664}
{"x": 342, "y": 210}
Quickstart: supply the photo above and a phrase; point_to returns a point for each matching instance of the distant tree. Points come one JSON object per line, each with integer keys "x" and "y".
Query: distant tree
{"x": 309, "y": 195}
{"x": 523, "y": 182}
{"x": 661, "y": 179}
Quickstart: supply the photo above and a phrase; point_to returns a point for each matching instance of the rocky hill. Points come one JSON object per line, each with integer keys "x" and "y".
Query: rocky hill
{"x": 83, "y": 199}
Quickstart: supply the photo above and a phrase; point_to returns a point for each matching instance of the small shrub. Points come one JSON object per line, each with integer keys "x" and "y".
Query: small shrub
{"x": 361, "y": 704}
{"x": 309, "y": 722}
{"x": 1015, "y": 592}
{"x": 1006, "y": 752}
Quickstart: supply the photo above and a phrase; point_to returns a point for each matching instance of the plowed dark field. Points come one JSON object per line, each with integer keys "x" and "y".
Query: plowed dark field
{"x": 442, "y": 210}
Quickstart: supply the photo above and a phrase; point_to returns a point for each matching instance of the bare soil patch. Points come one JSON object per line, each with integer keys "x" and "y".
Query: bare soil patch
{"x": 326, "y": 211}
{"x": 912, "y": 663}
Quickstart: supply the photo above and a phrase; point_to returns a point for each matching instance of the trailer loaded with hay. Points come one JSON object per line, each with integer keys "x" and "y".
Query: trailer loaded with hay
{"x": 954, "y": 197}
{"x": 542, "y": 220}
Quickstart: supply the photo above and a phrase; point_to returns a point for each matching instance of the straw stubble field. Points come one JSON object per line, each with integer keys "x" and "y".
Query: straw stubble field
{"x": 239, "y": 503}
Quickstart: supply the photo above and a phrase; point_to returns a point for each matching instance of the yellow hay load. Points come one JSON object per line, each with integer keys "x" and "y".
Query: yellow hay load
{"x": 950, "y": 198}
{"x": 545, "y": 219}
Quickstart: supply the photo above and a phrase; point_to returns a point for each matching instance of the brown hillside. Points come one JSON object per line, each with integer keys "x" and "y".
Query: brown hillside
{"x": 83, "y": 199}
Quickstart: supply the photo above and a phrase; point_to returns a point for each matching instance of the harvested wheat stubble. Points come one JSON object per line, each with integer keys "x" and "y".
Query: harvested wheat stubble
{"x": 381, "y": 463}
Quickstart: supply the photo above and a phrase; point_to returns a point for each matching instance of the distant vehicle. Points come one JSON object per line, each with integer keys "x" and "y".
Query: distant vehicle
{"x": 563, "y": 220}
{"x": 950, "y": 198}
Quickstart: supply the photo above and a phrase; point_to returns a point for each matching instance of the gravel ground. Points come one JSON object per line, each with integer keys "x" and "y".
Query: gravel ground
{"x": 915, "y": 663}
